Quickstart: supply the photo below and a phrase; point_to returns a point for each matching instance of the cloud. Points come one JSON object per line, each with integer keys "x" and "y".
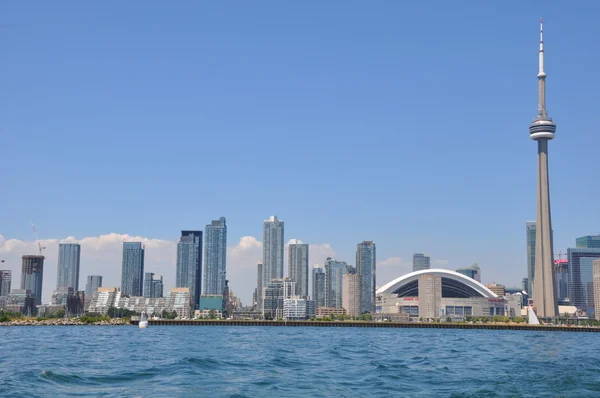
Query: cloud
{"x": 391, "y": 268}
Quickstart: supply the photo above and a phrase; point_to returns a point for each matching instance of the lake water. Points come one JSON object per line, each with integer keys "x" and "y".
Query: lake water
{"x": 180, "y": 361}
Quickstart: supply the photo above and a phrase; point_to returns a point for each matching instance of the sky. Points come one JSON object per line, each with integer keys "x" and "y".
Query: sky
{"x": 405, "y": 123}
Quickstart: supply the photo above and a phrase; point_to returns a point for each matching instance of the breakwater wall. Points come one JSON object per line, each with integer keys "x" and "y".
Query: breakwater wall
{"x": 350, "y": 324}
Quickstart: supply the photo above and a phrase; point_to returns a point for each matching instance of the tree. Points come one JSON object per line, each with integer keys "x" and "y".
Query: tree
{"x": 60, "y": 313}
{"x": 211, "y": 314}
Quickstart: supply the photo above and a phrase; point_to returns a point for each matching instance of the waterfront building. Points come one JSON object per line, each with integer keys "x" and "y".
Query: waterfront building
{"x": 215, "y": 257}
{"x": 561, "y": 279}
{"x": 298, "y": 267}
{"x": 596, "y": 277}
{"x": 259, "y": 287}
{"x": 334, "y": 271}
{"x": 211, "y": 302}
{"x": 69, "y": 255}
{"x": 542, "y": 130}
{"x": 472, "y": 272}
{"x": 318, "y": 286}
{"x": 588, "y": 242}
{"x": 21, "y": 300}
{"x": 276, "y": 291}
{"x": 60, "y": 296}
{"x": 352, "y": 291}
{"x": 581, "y": 291}
{"x": 530, "y": 237}
{"x": 104, "y": 298}
{"x": 132, "y": 277}
{"x": 298, "y": 308}
{"x": 5, "y": 282}
{"x": 153, "y": 285}
{"x": 93, "y": 283}
{"x": 32, "y": 276}
{"x": 328, "y": 312}
{"x": 366, "y": 267}
{"x": 273, "y": 235}
{"x": 430, "y": 296}
{"x": 421, "y": 262}
{"x": 189, "y": 264}
{"x": 178, "y": 301}
{"x": 498, "y": 289}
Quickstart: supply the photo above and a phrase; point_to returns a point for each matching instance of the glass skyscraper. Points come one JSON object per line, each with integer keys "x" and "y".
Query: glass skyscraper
{"x": 421, "y": 261}
{"x": 153, "y": 285}
{"x": 5, "y": 282}
{"x": 318, "y": 286}
{"x": 215, "y": 257}
{"x": 92, "y": 285}
{"x": 581, "y": 278}
{"x": 298, "y": 267}
{"x": 69, "y": 255}
{"x": 189, "y": 264}
{"x": 32, "y": 276}
{"x": 366, "y": 267}
{"x": 272, "y": 249}
{"x": 132, "y": 276}
{"x": 334, "y": 272}
{"x": 530, "y": 230}
{"x": 588, "y": 242}
{"x": 473, "y": 272}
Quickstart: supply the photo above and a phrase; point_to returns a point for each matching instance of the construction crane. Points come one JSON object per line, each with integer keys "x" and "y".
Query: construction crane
{"x": 37, "y": 238}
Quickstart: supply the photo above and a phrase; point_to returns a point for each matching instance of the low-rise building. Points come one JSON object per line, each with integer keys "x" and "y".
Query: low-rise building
{"x": 325, "y": 312}
{"x": 178, "y": 301}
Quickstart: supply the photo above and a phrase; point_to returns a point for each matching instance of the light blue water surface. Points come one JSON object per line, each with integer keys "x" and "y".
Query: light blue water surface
{"x": 180, "y": 361}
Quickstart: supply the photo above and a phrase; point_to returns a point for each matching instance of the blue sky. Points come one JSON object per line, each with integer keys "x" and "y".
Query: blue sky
{"x": 397, "y": 122}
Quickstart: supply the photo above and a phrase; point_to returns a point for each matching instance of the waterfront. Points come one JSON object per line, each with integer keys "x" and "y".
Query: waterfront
{"x": 300, "y": 361}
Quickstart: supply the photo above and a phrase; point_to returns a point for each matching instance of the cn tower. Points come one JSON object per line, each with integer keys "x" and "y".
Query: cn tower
{"x": 542, "y": 130}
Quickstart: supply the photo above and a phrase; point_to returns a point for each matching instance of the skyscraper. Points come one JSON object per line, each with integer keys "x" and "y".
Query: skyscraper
{"x": 530, "y": 236}
{"x": 5, "y": 282}
{"x": 542, "y": 130}
{"x": 215, "y": 257}
{"x": 92, "y": 285}
{"x": 581, "y": 289}
{"x": 259, "y": 286}
{"x": 132, "y": 277}
{"x": 334, "y": 271}
{"x": 366, "y": 267}
{"x": 32, "y": 276}
{"x": 68, "y": 265}
{"x": 153, "y": 285}
{"x": 189, "y": 264}
{"x": 352, "y": 291}
{"x": 561, "y": 279}
{"x": 272, "y": 249}
{"x": 298, "y": 267}
{"x": 588, "y": 242}
{"x": 421, "y": 261}
{"x": 472, "y": 272}
{"x": 318, "y": 286}
{"x": 596, "y": 277}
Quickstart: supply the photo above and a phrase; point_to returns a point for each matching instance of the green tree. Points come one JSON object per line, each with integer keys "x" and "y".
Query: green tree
{"x": 60, "y": 313}
{"x": 212, "y": 314}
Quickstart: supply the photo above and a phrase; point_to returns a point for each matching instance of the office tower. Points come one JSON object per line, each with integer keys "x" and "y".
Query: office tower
{"x": 561, "y": 279}
{"x": 500, "y": 290}
{"x": 352, "y": 291}
{"x": 68, "y": 265}
{"x": 581, "y": 290}
{"x": 5, "y": 282}
{"x": 272, "y": 249}
{"x": 189, "y": 264}
{"x": 421, "y": 261}
{"x": 334, "y": 271}
{"x": 92, "y": 285}
{"x": 215, "y": 257}
{"x": 430, "y": 296}
{"x": 473, "y": 272}
{"x": 366, "y": 267}
{"x": 32, "y": 275}
{"x": 298, "y": 267}
{"x": 132, "y": 277}
{"x": 525, "y": 285}
{"x": 588, "y": 242}
{"x": 542, "y": 130}
{"x": 530, "y": 236}
{"x": 153, "y": 285}
{"x": 596, "y": 276}
{"x": 318, "y": 286}
{"x": 259, "y": 286}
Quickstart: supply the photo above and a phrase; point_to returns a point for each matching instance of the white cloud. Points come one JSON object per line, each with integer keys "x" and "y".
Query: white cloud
{"x": 391, "y": 268}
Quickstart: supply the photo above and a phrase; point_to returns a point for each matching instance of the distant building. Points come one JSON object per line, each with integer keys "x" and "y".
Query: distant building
{"x": 498, "y": 289}
{"x": 132, "y": 278}
{"x": 588, "y": 242}
{"x": 334, "y": 271}
{"x": 177, "y": 301}
{"x": 104, "y": 298}
{"x": 298, "y": 267}
{"x": 323, "y": 312}
{"x": 581, "y": 291}
{"x": 21, "y": 300}
{"x": 366, "y": 261}
{"x": 430, "y": 296}
{"x": 69, "y": 255}
{"x": 273, "y": 242}
{"x": 473, "y": 272}
{"x": 297, "y": 308}
{"x": 153, "y": 285}
{"x": 421, "y": 261}
{"x": 215, "y": 257}
{"x": 352, "y": 294}
{"x": 561, "y": 279}
{"x": 530, "y": 233}
{"x": 318, "y": 286}
{"x": 5, "y": 282}
{"x": 276, "y": 291}
{"x": 259, "y": 287}
{"x": 32, "y": 276}
{"x": 189, "y": 264}
{"x": 525, "y": 284}
{"x": 93, "y": 283}
{"x": 211, "y": 302}
{"x": 596, "y": 277}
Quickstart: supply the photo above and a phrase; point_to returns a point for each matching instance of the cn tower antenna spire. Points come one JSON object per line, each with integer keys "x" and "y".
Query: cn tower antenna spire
{"x": 542, "y": 75}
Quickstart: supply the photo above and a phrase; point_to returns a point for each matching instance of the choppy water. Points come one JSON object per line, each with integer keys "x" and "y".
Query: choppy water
{"x": 179, "y": 361}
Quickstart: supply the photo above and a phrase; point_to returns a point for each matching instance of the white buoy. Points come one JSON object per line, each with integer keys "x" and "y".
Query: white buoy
{"x": 143, "y": 321}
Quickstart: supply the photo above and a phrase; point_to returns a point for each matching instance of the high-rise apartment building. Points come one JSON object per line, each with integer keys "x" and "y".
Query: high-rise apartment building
{"x": 69, "y": 255}
{"x": 588, "y": 242}
{"x": 259, "y": 286}
{"x": 32, "y": 276}
{"x": 215, "y": 257}
{"x": 352, "y": 291}
{"x": 153, "y": 285}
{"x": 530, "y": 237}
{"x": 189, "y": 264}
{"x": 366, "y": 261}
{"x": 596, "y": 277}
{"x": 298, "y": 267}
{"x": 473, "y": 272}
{"x": 430, "y": 296}
{"x": 421, "y": 261}
{"x": 132, "y": 277}
{"x": 334, "y": 271}
{"x": 272, "y": 249}
{"x": 5, "y": 282}
{"x": 581, "y": 290}
{"x": 318, "y": 286}
{"x": 92, "y": 285}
